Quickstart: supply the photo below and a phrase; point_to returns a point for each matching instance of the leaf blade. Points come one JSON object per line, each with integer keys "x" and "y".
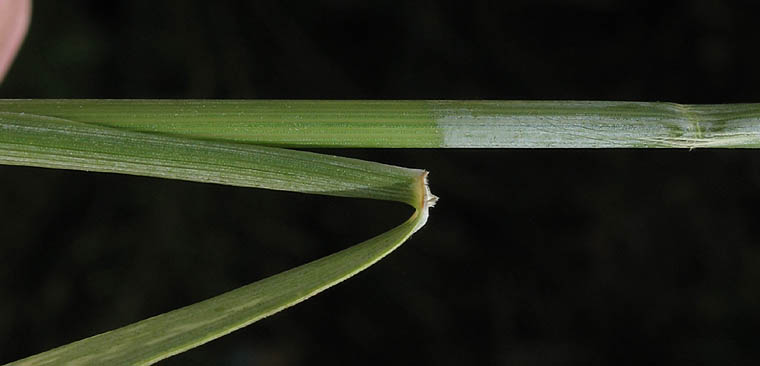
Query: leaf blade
{"x": 42, "y": 141}
{"x": 159, "y": 337}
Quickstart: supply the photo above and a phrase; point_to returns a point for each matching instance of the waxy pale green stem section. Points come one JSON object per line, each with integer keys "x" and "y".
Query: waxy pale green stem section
{"x": 422, "y": 124}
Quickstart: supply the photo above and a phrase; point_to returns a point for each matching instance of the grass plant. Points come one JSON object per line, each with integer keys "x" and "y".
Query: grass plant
{"x": 244, "y": 143}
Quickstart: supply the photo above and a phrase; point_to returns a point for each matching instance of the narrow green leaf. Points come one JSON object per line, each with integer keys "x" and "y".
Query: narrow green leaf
{"x": 32, "y": 140}
{"x": 154, "y": 339}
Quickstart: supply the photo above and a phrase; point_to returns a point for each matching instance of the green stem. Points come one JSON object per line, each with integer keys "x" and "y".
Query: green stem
{"x": 421, "y": 124}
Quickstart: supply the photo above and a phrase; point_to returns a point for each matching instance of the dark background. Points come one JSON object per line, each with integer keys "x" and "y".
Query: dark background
{"x": 532, "y": 257}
